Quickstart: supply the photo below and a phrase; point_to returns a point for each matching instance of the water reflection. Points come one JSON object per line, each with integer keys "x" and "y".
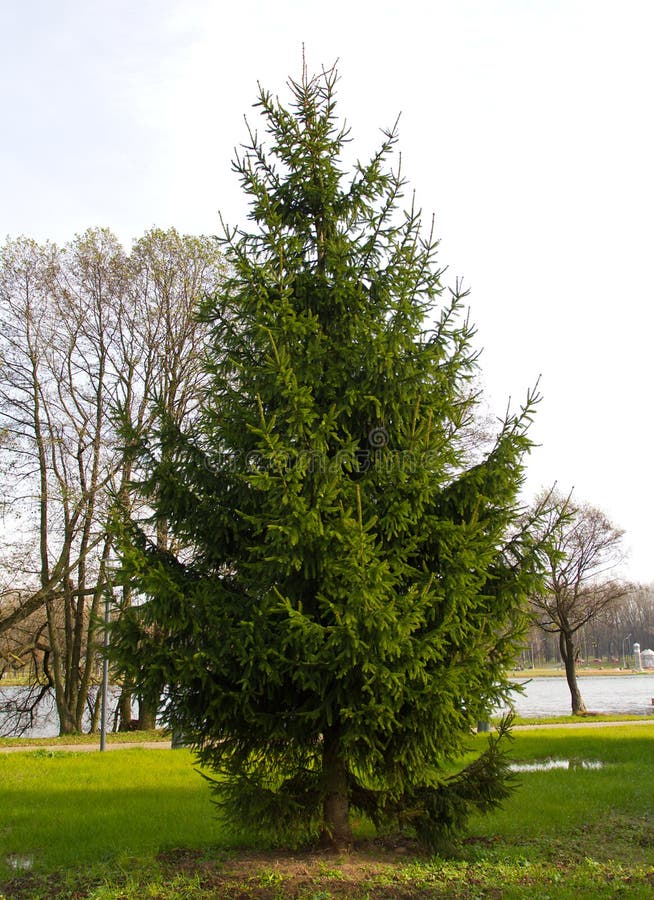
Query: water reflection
{"x": 547, "y": 765}
{"x": 21, "y": 863}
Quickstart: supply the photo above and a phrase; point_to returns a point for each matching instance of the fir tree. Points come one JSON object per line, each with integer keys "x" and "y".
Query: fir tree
{"x": 350, "y": 581}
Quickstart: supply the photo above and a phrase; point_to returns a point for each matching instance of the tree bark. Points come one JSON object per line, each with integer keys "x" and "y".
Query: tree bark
{"x": 568, "y": 656}
{"x": 147, "y": 720}
{"x": 125, "y": 709}
{"x": 337, "y": 832}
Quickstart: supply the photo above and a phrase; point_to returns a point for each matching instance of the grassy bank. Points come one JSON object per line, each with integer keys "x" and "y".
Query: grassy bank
{"x": 138, "y": 823}
{"x": 113, "y": 737}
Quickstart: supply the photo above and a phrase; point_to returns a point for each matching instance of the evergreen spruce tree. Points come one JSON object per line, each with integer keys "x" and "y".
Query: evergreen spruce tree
{"x": 350, "y": 579}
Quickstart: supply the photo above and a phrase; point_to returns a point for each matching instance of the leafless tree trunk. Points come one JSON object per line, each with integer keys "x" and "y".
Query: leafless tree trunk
{"x": 568, "y": 651}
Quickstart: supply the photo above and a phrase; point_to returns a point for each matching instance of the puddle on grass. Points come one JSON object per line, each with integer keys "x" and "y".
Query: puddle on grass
{"x": 547, "y": 765}
{"x": 20, "y": 863}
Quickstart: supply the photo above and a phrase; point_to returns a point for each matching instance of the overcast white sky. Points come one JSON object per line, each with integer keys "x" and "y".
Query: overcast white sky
{"x": 526, "y": 128}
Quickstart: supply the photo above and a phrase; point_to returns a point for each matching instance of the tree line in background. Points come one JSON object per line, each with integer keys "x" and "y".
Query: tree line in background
{"x": 91, "y": 337}
{"x": 606, "y": 640}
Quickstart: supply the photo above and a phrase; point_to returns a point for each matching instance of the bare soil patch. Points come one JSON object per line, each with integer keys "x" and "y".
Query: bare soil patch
{"x": 371, "y": 869}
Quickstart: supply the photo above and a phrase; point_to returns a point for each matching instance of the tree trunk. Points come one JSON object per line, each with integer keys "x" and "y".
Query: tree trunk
{"x": 67, "y": 723}
{"x": 337, "y": 833}
{"x": 125, "y": 709}
{"x": 568, "y": 656}
{"x": 147, "y": 720}
{"x": 96, "y": 711}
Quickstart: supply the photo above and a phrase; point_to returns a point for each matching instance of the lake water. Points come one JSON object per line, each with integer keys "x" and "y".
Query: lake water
{"x": 45, "y": 720}
{"x": 547, "y": 696}
{"x": 550, "y": 696}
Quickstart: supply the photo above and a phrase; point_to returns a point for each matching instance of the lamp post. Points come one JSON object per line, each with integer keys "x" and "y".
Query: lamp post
{"x": 624, "y": 660}
{"x": 105, "y": 675}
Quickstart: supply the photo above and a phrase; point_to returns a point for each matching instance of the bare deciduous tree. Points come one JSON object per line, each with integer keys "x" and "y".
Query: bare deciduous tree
{"x": 58, "y": 321}
{"x": 584, "y": 553}
{"x": 86, "y": 331}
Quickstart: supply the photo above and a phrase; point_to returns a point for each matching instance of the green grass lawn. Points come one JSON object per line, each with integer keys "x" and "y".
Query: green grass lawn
{"x": 136, "y": 823}
{"x": 67, "y": 808}
{"x": 551, "y": 803}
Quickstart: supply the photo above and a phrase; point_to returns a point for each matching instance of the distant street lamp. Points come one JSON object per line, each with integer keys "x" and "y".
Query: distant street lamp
{"x": 624, "y": 660}
{"x": 105, "y": 674}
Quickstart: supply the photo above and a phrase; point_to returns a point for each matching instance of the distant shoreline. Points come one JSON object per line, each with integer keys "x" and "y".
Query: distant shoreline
{"x": 581, "y": 673}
